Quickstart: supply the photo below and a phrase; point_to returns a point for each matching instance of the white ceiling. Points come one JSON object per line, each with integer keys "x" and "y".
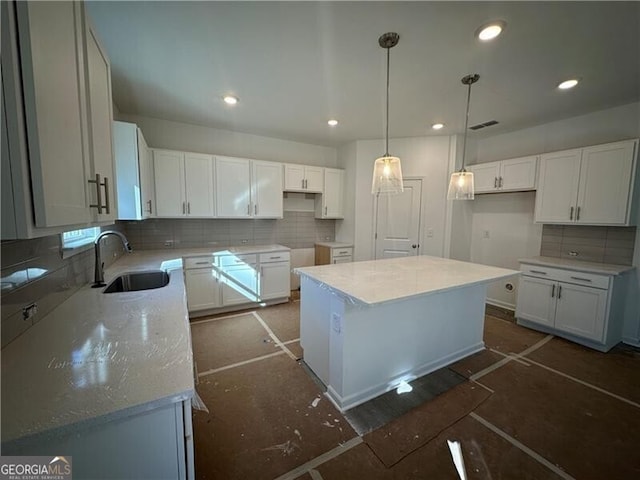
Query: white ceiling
{"x": 294, "y": 65}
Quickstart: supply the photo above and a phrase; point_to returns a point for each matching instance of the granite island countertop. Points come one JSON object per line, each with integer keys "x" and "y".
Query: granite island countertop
{"x": 100, "y": 357}
{"x": 378, "y": 281}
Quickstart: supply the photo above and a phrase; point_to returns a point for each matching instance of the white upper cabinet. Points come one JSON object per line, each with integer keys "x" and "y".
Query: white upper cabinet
{"x": 233, "y": 187}
{"x": 266, "y": 189}
{"x": 331, "y": 203}
{"x": 56, "y": 82}
{"x": 303, "y": 178}
{"x": 147, "y": 185}
{"x": 248, "y": 188}
{"x": 51, "y": 66}
{"x": 103, "y": 193}
{"x": 198, "y": 178}
{"x": 591, "y": 186}
{"x": 168, "y": 169}
{"x": 517, "y": 174}
{"x": 183, "y": 184}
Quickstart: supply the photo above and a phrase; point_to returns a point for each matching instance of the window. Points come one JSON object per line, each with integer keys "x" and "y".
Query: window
{"x": 74, "y": 240}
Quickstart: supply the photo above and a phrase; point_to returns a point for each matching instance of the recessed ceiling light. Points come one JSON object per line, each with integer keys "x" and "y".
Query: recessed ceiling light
{"x": 333, "y": 122}
{"x": 437, "y": 126}
{"x": 230, "y": 99}
{"x": 491, "y": 30}
{"x": 567, "y": 84}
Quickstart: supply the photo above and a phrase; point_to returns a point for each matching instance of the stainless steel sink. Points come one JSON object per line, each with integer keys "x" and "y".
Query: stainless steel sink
{"x": 135, "y": 281}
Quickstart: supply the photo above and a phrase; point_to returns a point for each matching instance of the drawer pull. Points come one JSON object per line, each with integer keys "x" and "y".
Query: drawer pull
{"x": 275, "y": 258}
{"x": 343, "y": 253}
{"x": 539, "y": 272}
{"x": 582, "y": 279}
{"x": 203, "y": 263}
{"x": 559, "y": 291}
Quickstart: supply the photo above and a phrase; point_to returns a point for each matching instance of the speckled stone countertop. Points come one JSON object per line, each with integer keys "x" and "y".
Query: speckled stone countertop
{"x": 99, "y": 357}
{"x": 577, "y": 265}
{"x": 378, "y": 281}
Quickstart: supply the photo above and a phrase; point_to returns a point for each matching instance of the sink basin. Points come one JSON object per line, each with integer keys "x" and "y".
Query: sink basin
{"x": 135, "y": 281}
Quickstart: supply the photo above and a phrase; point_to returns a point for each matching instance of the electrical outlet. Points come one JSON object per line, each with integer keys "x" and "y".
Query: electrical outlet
{"x": 168, "y": 243}
{"x": 485, "y": 234}
{"x": 336, "y": 322}
{"x": 430, "y": 232}
{"x": 244, "y": 241}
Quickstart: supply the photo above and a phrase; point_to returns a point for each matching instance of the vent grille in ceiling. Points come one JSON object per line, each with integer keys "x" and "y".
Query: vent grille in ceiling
{"x": 478, "y": 126}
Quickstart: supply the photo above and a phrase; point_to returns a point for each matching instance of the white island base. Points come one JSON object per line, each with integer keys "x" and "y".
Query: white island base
{"x": 360, "y": 351}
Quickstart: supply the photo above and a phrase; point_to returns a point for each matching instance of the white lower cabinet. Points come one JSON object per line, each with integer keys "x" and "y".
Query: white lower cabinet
{"x": 275, "y": 275}
{"x": 156, "y": 443}
{"x": 572, "y": 304}
{"x": 239, "y": 275}
{"x": 203, "y": 288}
{"x": 226, "y": 281}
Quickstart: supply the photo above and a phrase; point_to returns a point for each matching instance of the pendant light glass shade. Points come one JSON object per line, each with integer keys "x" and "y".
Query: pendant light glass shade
{"x": 387, "y": 172}
{"x": 461, "y": 183}
{"x": 461, "y": 186}
{"x": 387, "y": 176}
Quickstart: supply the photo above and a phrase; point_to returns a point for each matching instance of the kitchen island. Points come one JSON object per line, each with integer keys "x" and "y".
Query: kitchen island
{"x": 365, "y": 327}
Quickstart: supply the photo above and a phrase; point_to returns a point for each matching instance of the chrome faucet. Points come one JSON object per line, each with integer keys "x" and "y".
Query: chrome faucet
{"x": 98, "y": 279}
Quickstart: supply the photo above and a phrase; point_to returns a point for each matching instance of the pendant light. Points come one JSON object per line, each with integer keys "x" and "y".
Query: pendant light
{"x": 387, "y": 174}
{"x": 461, "y": 183}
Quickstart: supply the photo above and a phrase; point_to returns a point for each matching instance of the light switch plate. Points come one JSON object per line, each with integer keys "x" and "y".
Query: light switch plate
{"x": 336, "y": 322}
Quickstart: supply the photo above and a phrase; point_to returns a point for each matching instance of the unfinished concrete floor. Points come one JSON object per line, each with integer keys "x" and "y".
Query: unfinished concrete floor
{"x": 532, "y": 406}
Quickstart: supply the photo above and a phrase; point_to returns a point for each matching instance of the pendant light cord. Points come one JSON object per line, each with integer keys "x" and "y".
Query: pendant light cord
{"x": 386, "y": 145}
{"x": 466, "y": 125}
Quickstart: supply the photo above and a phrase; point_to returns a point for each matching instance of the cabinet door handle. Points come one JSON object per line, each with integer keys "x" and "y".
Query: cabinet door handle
{"x": 149, "y": 203}
{"x": 582, "y": 279}
{"x": 262, "y": 271}
{"x": 98, "y": 203}
{"x": 559, "y": 291}
{"x": 578, "y": 214}
{"x": 255, "y": 209}
{"x": 105, "y": 184}
{"x": 325, "y": 211}
{"x": 248, "y": 209}
{"x": 184, "y": 208}
{"x": 189, "y": 208}
{"x": 571, "y": 214}
{"x": 539, "y": 272}
{"x": 501, "y": 182}
{"x": 495, "y": 182}
{"x": 553, "y": 290}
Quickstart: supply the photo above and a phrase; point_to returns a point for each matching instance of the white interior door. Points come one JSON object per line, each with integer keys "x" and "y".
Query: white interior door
{"x": 397, "y": 232}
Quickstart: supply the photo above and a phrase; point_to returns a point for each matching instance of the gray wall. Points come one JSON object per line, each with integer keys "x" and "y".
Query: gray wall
{"x": 34, "y": 271}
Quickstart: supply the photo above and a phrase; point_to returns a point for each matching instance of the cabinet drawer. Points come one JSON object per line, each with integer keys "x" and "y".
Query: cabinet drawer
{"x": 274, "y": 257}
{"x": 342, "y": 252}
{"x": 199, "y": 262}
{"x": 584, "y": 278}
{"x": 569, "y": 276}
{"x": 229, "y": 260}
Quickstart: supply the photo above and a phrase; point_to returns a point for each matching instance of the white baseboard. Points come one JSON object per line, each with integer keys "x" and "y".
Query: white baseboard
{"x": 498, "y": 303}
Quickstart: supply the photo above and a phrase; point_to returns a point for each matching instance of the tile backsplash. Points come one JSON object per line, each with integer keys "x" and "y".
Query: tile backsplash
{"x": 295, "y": 230}
{"x": 34, "y": 271}
{"x": 590, "y": 244}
